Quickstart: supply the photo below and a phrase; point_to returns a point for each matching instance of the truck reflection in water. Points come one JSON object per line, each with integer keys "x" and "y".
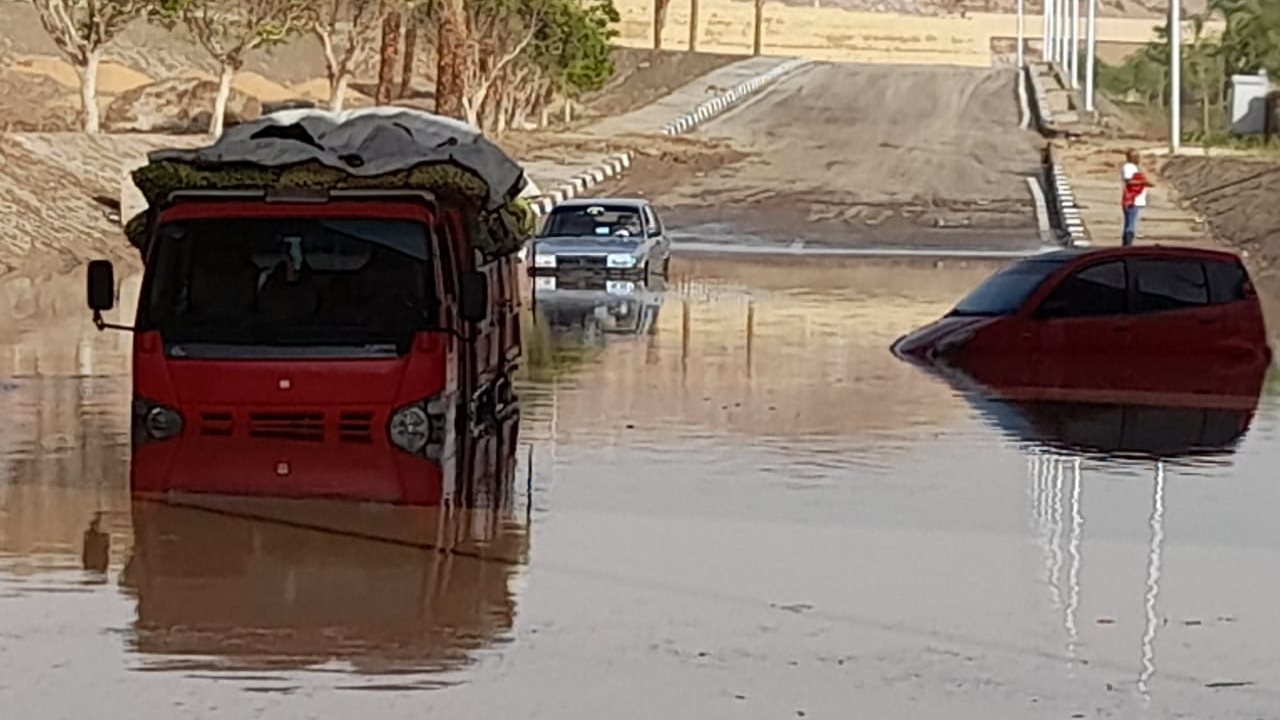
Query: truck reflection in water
{"x": 235, "y": 582}
{"x": 590, "y": 308}
{"x": 1123, "y": 407}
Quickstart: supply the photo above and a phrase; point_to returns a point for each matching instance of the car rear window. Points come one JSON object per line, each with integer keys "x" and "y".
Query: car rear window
{"x": 1226, "y": 281}
{"x": 1004, "y": 292}
{"x": 1170, "y": 285}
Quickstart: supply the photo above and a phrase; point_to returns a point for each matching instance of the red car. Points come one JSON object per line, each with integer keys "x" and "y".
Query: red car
{"x": 1146, "y": 301}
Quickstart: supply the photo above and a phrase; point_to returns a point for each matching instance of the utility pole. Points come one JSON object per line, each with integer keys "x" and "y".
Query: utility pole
{"x": 1091, "y": 52}
{"x": 1175, "y": 76}
{"x": 1022, "y": 32}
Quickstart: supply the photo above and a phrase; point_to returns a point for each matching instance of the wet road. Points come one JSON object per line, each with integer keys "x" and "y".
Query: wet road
{"x": 741, "y": 506}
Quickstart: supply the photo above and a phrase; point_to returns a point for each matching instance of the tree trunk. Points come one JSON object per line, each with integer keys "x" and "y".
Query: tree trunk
{"x": 693, "y": 25}
{"x": 389, "y": 59}
{"x": 471, "y": 113}
{"x": 338, "y": 91}
{"x": 90, "y": 121}
{"x": 411, "y": 32}
{"x": 503, "y": 109}
{"x": 659, "y": 21}
{"x": 451, "y": 59}
{"x": 757, "y": 43}
{"x": 218, "y": 121}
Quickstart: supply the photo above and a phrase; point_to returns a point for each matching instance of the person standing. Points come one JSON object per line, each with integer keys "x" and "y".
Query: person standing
{"x": 1134, "y": 198}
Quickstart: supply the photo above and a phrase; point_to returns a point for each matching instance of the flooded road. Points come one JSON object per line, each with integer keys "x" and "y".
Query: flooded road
{"x": 730, "y": 501}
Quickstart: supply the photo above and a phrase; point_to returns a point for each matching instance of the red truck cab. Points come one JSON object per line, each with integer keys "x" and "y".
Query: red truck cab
{"x": 347, "y": 323}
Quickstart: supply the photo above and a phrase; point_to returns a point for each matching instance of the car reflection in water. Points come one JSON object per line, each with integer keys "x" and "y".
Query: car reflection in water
{"x": 588, "y": 309}
{"x": 1121, "y": 407}
{"x": 236, "y": 582}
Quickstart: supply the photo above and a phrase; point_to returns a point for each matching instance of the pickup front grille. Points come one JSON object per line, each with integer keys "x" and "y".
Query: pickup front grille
{"x": 348, "y": 426}
{"x": 581, "y": 262}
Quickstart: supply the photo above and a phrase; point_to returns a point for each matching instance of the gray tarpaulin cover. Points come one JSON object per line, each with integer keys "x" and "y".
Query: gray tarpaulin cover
{"x": 365, "y": 143}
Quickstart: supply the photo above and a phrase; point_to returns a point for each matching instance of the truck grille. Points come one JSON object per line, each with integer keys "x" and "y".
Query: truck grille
{"x": 351, "y": 426}
{"x": 355, "y": 427}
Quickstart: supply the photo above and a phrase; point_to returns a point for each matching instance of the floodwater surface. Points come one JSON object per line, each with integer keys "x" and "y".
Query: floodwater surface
{"x": 731, "y": 501}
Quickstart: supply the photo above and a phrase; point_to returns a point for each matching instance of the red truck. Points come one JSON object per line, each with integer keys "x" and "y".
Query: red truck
{"x": 343, "y": 282}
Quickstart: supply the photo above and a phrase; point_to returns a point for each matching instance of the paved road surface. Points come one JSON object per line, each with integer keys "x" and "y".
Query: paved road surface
{"x": 865, "y": 155}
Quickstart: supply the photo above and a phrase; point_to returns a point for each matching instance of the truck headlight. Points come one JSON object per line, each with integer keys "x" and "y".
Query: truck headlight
{"x": 621, "y": 261}
{"x": 419, "y": 428}
{"x": 162, "y": 423}
{"x": 544, "y": 261}
{"x": 154, "y": 421}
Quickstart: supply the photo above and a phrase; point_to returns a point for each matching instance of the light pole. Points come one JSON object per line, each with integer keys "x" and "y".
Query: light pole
{"x": 1175, "y": 75}
{"x": 1073, "y": 57}
{"x": 1091, "y": 51}
{"x": 1063, "y": 7}
{"x": 1022, "y": 32}
{"x": 1046, "y": 39}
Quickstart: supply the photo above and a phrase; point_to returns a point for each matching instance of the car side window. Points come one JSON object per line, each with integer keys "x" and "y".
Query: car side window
{"x": 1095, "y": 291}
{"x": 1164, "y": 285}
{"x": 1226, "y": 281}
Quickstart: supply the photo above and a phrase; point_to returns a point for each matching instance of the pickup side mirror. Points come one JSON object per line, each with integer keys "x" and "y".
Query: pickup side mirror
{"x": 101, "y": 287}
{"x": 473, "y": 299}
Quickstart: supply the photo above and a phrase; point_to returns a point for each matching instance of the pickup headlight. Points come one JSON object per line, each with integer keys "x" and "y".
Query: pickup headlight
{"x": 544, "y": 261}
{"x": 621, "y": 261}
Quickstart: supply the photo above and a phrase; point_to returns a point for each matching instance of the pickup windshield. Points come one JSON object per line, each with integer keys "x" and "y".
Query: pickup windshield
{"x": 594, "y": 221}
{"x": 290, "y": 283}
{"x": 1004, "y": 292}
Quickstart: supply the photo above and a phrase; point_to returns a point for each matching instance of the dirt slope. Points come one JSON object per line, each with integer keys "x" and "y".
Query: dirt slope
{"x": 1237, "y": 198}
{"x": 48, "y": 185}
{"x": 850, "y": 153}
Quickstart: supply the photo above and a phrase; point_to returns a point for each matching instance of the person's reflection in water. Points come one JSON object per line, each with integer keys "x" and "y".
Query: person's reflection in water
{"x": 95, "y": 553}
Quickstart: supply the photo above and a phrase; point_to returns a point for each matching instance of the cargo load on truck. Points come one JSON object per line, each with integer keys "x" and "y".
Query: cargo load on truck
{"x": 311, "y": 150}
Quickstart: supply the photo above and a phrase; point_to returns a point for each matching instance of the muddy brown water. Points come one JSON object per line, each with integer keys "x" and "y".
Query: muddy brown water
{"x": 741, "y": 506}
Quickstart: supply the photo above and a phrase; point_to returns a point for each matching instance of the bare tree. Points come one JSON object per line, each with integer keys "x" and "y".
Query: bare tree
{"x": 659, "y": 21}
{"x": 348, "y": 32}
{"x": 416, "y": 19}
{"x": 757, "y": 42}
{"x": 81, "y": 29}
{"x": 452, "y": 58}
{"x": 499, "y": 32}
{"x": 389, "y": 63}
{"x": 229, "y": 29}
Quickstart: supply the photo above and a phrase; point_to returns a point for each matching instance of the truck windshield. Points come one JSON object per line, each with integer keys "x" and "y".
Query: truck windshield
{"x": 1004, "y": 292}
{"x": 291, "y": 282}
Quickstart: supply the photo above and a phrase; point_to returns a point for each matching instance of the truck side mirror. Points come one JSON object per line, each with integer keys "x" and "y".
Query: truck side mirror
{"x": 473, "y": 300}
{"x": 101, "y": 286}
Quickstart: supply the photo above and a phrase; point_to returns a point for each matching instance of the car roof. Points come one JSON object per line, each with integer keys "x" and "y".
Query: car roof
{"x": 616, "y": 202}
{"x": 1157, "y": 250}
